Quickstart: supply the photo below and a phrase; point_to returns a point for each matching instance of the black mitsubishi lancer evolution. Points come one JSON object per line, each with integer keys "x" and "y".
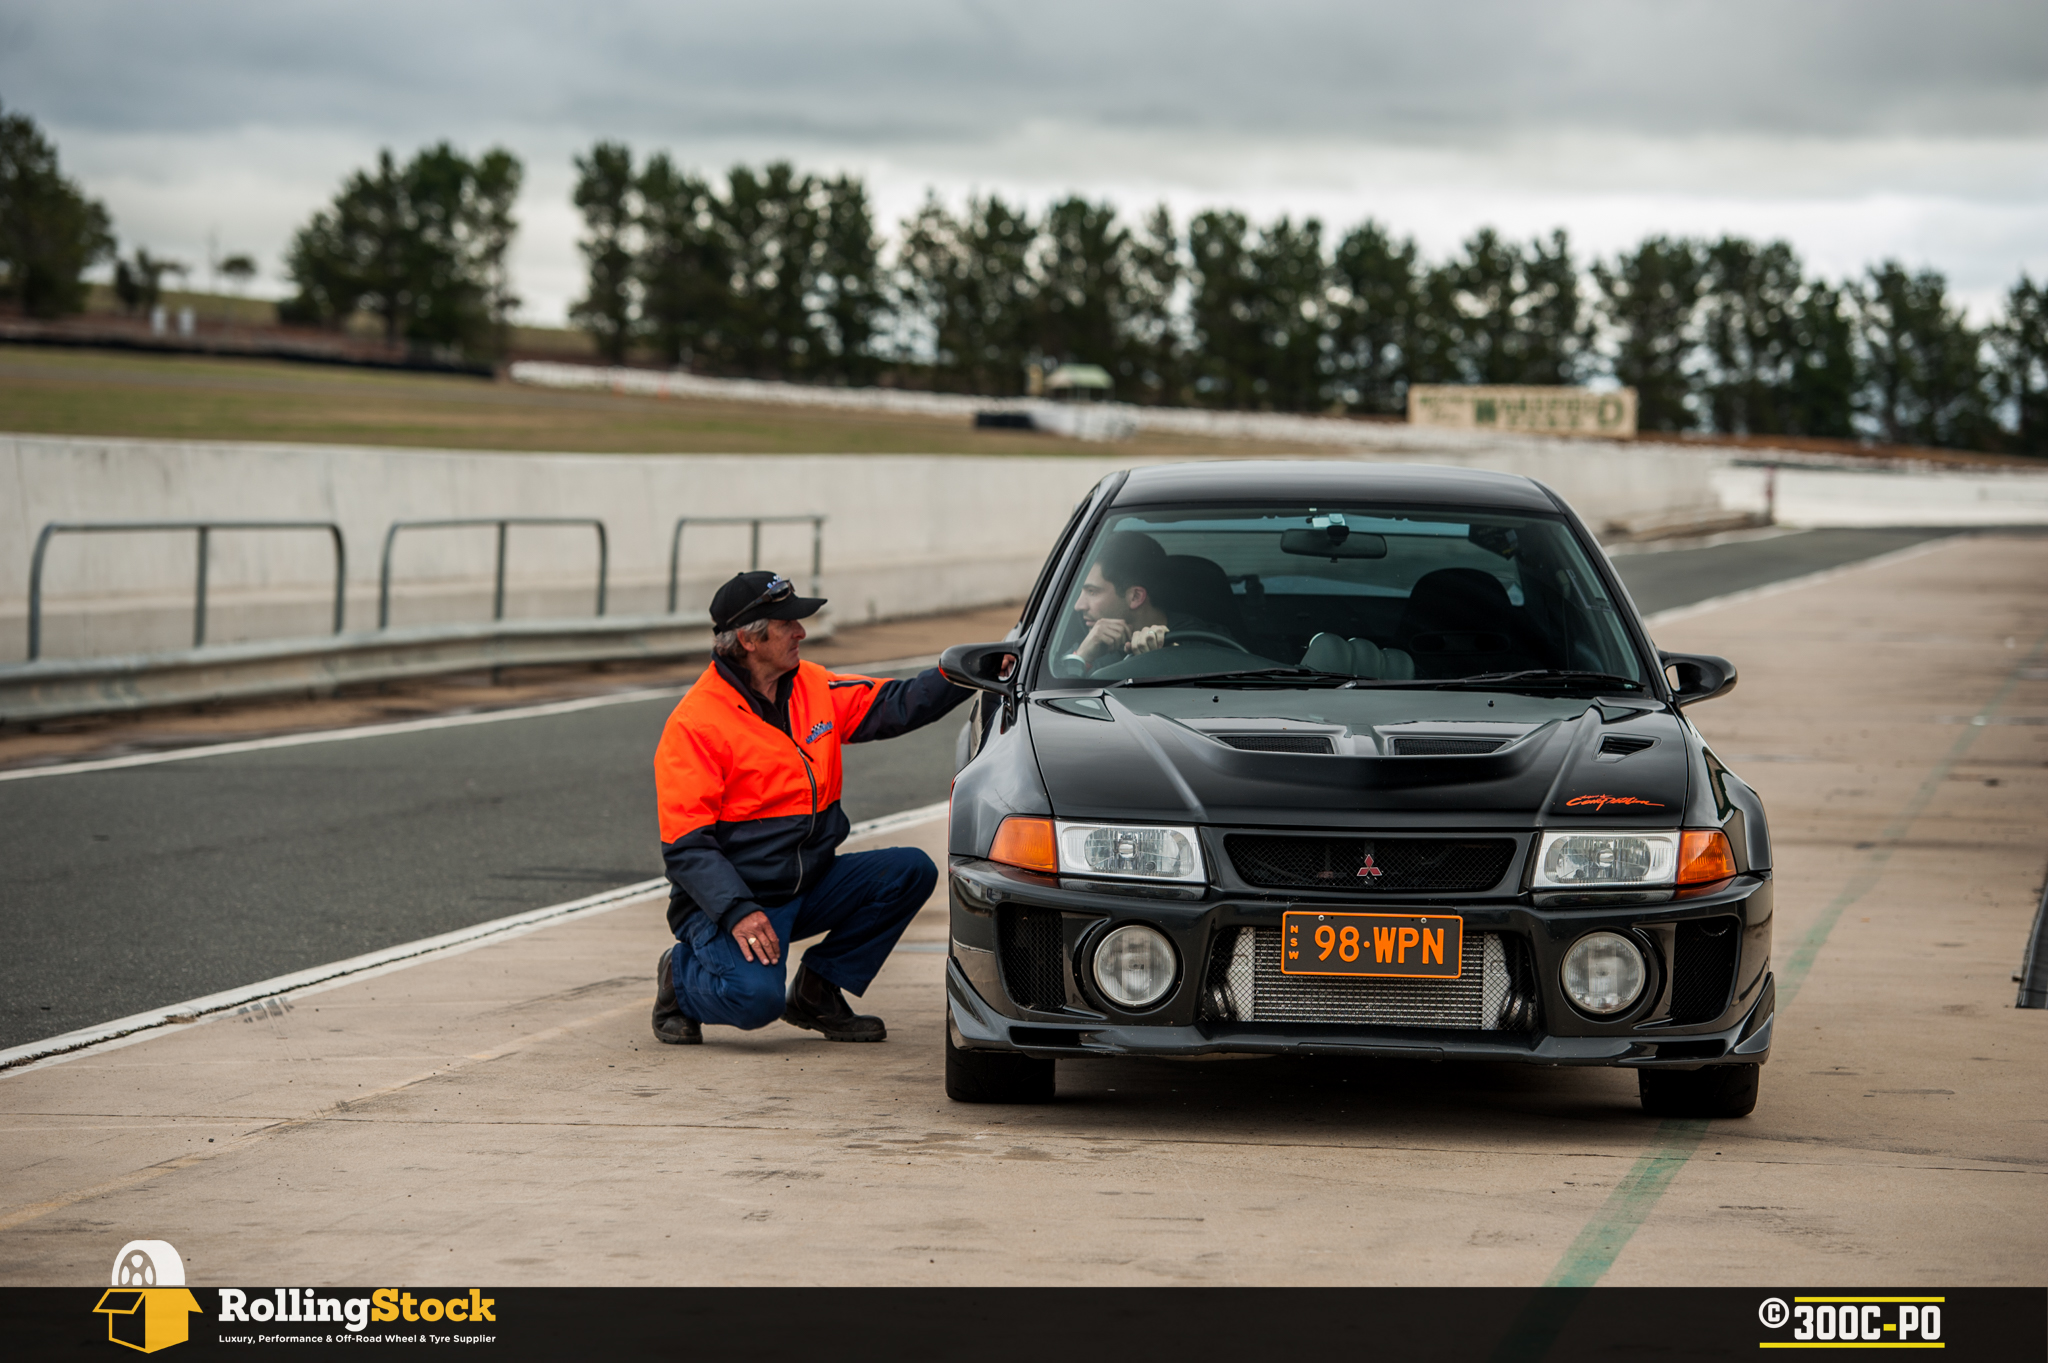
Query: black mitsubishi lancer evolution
{"x": 1348, "y": 759}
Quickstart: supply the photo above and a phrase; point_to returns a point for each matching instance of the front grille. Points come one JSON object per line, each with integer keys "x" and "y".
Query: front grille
{"x": 1495, "y": 991}
{"x": 1703, "y": 969}
{"x": 1033, "y": 956}
{"x": 1446, "y": 747}
{"x": 1279, "y": 742}
{"x": 1355, "y": 865}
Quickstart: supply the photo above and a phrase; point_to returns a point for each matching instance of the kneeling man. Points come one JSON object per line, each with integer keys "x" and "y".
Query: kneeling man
{"x": 747, "y": 777}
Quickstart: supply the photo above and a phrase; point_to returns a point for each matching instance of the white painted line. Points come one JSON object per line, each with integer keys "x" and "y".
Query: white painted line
{"x": 403, "y": 726}
{"x": 141, "y": 1026}
{"x": 1714, "y": 603}
{"x": 896, "y": 823}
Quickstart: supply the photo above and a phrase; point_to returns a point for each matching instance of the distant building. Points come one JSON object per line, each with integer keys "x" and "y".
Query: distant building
{"x": 1532, "y": 408}
{"x": 1079, "y": 383}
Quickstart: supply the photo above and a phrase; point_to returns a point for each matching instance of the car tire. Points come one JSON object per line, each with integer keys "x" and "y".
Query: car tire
{"x": 995, "y": 1076}
{"x": 1715, "y": 1091}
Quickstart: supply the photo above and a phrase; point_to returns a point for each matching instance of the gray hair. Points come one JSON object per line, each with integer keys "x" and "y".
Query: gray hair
{"x": 726, "y": 643}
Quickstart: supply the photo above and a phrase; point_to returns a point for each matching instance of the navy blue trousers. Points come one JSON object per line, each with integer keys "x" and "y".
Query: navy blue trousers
{"x": 862, "y": 906}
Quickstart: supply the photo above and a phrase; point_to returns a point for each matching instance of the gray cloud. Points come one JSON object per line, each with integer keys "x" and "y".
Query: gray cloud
{"x": 895, "y": 71}
{"x": 1876, "y": 126}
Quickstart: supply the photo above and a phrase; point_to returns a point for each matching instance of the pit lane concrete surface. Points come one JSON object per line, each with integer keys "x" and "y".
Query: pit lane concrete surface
{"x": 137, "y": 887}
{"x": 503, "y": 1115}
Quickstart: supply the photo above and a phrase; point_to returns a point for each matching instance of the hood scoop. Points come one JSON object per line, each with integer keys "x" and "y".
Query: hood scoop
{"x": 1419, "y": 745}
{"x": 1310, "y": 743}
{"x": 1615, "y": 746}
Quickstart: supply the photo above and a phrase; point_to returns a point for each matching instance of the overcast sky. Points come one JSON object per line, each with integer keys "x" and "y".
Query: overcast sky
{"x": 1858, "y": 129}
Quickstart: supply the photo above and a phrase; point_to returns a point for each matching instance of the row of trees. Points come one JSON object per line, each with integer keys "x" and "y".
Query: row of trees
{"x": 422, "y": 247}
{"x": 781, "y": 275}
{"x": 50, "y": 232}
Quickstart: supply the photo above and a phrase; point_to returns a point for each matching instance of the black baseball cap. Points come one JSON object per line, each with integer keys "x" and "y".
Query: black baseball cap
{"x": 759, "y": 596}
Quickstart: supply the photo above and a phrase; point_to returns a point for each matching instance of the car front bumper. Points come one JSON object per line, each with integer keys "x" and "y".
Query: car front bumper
{"x": 985, "y": 1012}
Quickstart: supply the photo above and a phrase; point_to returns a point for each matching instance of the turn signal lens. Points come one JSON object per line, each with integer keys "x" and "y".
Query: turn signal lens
{"x": 1026, "y": 843}
{"x": 1704, "y": 856}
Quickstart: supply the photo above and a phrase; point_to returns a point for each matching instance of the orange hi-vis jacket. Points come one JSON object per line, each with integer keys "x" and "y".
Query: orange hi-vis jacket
{"x": 749, "y": 810}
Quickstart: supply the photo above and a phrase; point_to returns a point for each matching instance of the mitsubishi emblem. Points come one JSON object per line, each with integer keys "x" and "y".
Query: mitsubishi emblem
{"x": 1369, "y": 869}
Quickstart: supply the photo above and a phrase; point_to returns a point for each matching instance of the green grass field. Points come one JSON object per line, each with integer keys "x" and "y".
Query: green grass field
{"x": 57, "y": 391}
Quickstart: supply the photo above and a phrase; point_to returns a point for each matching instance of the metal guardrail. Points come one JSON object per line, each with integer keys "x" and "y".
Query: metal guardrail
{"x": 205, "y": 530}
{"x": 504, "y": 523}
{"x": 675, "y": 545}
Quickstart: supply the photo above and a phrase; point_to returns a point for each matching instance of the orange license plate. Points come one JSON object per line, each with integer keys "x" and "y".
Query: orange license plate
{"x": 1406, "y": 946}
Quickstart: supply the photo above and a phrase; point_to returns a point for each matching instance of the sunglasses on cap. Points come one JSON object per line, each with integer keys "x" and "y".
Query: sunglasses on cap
{"x": 779, "y": 588}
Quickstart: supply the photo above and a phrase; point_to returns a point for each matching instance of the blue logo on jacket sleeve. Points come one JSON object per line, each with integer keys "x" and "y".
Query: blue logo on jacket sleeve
{"x": 819, "y": 730}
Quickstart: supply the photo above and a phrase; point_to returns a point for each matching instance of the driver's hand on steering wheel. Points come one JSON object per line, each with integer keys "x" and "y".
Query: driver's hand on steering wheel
{"x": 1149, "y": 638}
{"x": 1106, "y": 641}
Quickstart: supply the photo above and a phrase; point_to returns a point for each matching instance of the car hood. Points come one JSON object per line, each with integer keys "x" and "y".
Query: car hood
{"x": 1167, "y": 755}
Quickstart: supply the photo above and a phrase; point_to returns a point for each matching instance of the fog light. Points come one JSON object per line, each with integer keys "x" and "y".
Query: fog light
{"x": 1134, "y": 966}
{"x": 1604, "y": 972}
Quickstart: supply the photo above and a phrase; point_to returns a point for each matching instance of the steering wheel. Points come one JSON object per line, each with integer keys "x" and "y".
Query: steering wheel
{"x": 1183, "y": 636}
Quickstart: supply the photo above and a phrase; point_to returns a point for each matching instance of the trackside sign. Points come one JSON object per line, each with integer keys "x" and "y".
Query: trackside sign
{"x": 1534, "y": 409}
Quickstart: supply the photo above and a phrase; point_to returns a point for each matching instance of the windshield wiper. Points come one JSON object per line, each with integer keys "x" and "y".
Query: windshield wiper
{"x": 1563, "y": 675}
{"x": 1296, "y": 676}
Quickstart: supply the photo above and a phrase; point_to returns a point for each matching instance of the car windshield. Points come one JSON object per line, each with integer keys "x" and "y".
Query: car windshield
{"x": 1371, "y": 594}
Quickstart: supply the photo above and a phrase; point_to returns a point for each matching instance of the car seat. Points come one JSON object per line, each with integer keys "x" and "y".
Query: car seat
{"x": 1357, "y": 658}
{"x": 1192, "y": 585}
{"x": 1459, "y": 621}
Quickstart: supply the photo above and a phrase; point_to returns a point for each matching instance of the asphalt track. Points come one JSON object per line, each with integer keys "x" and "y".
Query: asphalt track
{"x": 138, "y": 887}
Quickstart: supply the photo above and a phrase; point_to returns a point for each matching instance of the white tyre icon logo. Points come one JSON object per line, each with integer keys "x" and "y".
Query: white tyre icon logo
{"x": 148, "y": 1263}
{"x": 1774, "y": 1313}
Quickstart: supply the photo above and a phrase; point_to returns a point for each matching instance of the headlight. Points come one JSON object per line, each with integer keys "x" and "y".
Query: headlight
{"x": 1604, "y": 972}
{"x": 1134, "y": 966}
{"x": 1588, "y": 859}
{"x": 1131, "y": 851}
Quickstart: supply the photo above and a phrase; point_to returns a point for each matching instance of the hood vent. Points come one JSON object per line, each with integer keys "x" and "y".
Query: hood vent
{"x": 1420, "y": 746}
{"x": 1316, "y": 743}
{"x": 1621, "y": 745}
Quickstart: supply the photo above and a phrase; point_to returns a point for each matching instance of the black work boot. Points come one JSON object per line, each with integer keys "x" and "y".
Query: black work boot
{"x": 671, "y": 1023}
{"x": 815, "y": 1002}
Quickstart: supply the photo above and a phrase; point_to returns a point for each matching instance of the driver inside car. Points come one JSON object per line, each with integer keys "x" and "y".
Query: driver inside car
{"x": 1123, "y": 603}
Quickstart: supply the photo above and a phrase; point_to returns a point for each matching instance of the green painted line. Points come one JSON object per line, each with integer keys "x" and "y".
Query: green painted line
{"x": 1629, "y": 1205}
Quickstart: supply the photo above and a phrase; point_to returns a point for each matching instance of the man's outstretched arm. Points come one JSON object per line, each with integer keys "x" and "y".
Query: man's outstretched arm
{"x": 884, "y": 709}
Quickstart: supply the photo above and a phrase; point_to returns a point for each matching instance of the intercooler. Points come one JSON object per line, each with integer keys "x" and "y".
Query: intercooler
{"x": 1495, "y": 991}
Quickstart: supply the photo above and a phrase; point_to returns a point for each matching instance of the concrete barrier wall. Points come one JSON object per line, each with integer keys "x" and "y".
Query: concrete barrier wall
{"x": 1818, "y": 496}
{"x": 907, "y": 534}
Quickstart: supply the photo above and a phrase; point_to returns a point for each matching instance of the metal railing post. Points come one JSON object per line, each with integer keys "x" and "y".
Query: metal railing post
{"x": 340, "y": 577}
{"x": 35, "y": 592}
{"x": 384, "y": 578}
{"x": 817, "y": 554}
{"x": 753, "y": 524}
{"x": 199, "y": 594}
{"x": 205, "y": 531}
{"x": 498, "y": 590}
{"x": 503, "y": 526}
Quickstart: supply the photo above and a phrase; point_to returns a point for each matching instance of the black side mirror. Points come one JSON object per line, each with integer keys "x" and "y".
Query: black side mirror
{"x": 985, "y": 667}
{"x": 1701, "y": 676}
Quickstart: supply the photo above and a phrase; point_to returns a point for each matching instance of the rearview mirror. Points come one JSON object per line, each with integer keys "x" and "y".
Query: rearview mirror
{"x": 985, "y": 667}
{"x": 1332, "y": 542}
{"x": 1701, "y": 676}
